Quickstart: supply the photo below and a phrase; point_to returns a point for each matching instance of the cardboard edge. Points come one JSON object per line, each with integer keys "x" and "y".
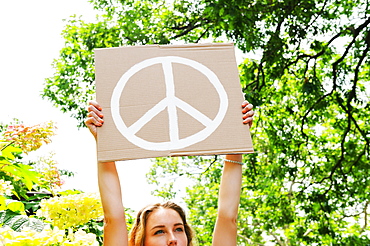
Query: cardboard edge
{"x": 174, "y": 46}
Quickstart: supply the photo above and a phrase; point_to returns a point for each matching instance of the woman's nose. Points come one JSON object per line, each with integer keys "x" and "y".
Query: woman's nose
{"x": 172, "y": 242}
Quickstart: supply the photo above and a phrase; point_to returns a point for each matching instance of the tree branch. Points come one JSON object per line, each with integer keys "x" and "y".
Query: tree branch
{"x": 365, "y": 216}
{"x": 209, "y": 166}
{"x": 277, "y": 239}
{"x": 355, "y": 32}
{"x": 249, "y": 240}
{"x": 188, "y": 28}
{"x": 202, "y": 35}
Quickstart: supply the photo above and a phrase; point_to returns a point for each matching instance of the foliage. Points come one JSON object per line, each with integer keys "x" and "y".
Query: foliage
{"x": 5, "y": 188}
{"x": 18, "y": 139}
{"x": 28, "y": 138}
{"x": 77, "y": 227}
{"x": 51, "y": 178}
{"x": 306, "y": 72}
{"x": 32, "y": 202}
{"x": 93, "y": 227}
{"x": 15, "y": 177}
{"x": 71, "y": 211}
{"x": 17, "y": 221}
{"x": 19, "y": 179}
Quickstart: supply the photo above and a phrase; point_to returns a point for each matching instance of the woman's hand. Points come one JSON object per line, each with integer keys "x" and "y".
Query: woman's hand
{"x": 94, "y": 117}
{"x": 248, "y": 113}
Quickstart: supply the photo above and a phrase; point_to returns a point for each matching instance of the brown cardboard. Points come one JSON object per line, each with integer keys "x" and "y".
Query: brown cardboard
{"x": 198, "y": 83}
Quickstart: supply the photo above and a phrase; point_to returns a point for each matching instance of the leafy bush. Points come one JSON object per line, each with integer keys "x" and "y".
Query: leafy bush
{"x": 66, "y": 219}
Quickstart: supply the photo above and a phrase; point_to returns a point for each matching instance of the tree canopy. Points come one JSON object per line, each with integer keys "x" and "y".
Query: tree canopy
{"x": 306, "y": 70}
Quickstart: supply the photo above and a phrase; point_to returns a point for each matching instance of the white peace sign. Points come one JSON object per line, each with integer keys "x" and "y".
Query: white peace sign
{"x": 171, "y": 102}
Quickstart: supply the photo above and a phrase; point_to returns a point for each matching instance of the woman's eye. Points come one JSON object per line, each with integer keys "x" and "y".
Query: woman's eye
{"x": 179, "y": 229}
{"x": 158, "y": 232}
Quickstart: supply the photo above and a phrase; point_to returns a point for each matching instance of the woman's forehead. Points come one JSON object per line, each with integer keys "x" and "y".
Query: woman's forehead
{"x": 164, "y": 216}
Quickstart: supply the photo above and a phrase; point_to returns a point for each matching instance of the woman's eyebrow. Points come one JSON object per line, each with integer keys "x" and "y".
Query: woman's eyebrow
{"x": 162, "y": 226}
{"x": 157, "y": 227}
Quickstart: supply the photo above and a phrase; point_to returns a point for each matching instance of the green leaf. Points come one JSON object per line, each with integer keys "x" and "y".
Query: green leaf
{"x": 15, "y": 206}
{"x": 8, "y": 151}
{"x": 2, "y": 203}
{"x": 16, "y": 223}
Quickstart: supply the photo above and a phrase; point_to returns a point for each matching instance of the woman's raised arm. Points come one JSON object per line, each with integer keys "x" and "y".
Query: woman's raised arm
{"x": 115, "y": 228}
{"x": 225, "y": 231}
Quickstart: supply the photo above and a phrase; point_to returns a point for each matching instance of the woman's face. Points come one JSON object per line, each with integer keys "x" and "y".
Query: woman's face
{"x": 165, "y": 227}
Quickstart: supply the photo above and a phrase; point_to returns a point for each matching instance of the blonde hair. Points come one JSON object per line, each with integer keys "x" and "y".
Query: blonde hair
{"x": 137, "y": 233}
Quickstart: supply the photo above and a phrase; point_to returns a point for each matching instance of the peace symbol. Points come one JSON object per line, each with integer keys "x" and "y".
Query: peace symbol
{"x": 171, "y": 103}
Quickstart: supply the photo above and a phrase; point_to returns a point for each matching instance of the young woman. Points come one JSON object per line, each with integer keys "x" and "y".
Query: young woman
{"x": 165, "y": 224}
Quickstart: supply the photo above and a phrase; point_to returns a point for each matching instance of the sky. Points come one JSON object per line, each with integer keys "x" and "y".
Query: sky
{"x": 30, "y": 40}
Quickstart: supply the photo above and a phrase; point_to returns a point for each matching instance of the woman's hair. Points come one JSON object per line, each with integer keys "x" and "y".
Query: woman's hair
{"x": 137, "y": 233}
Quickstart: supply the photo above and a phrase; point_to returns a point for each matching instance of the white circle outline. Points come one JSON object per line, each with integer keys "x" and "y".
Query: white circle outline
{"x": 181, "y": 143}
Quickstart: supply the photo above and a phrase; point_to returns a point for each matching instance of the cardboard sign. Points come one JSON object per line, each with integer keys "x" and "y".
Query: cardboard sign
{"x": 170, "y": 100}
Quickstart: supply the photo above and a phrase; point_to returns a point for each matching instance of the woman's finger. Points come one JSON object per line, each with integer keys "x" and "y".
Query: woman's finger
{"x": 97, "y": 111}
{"x": 95, "y": 104}
{"x": 247, "y": 107}
{"x": 98, "y": 118}
{"x": 248, "y": 113}
{"x": 94, "y": 121}
{"x": 248, "y": 121}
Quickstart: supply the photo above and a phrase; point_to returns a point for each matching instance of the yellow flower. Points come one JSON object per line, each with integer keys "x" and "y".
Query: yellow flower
{"x": 72, "y": 210}
{"x": 47, "y": 237}
{"x": 80, "y": 237}
{"x": 29, "y": 237}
